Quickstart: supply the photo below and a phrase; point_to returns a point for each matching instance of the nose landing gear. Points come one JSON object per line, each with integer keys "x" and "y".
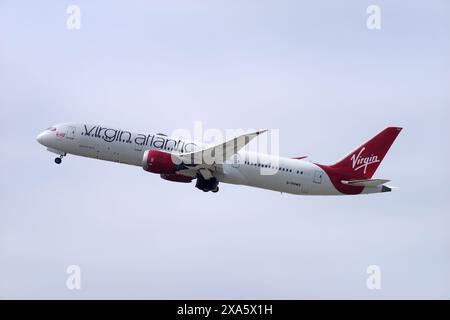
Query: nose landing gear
{"x": 58, "y": 160}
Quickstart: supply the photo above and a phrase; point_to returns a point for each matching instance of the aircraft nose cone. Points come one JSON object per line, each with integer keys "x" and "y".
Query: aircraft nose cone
{"x": 42, "y": 138}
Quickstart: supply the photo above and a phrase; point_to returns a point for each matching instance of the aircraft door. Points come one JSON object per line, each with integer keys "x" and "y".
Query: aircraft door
{"x": 70, "y": 133}
{"x": 318, "y": 177}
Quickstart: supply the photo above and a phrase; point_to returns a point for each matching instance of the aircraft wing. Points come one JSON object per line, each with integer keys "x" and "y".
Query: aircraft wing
{"x": 208, "y": 160}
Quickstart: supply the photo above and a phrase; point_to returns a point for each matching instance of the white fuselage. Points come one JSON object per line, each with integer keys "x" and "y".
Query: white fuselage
{"x": 247, "y": 168}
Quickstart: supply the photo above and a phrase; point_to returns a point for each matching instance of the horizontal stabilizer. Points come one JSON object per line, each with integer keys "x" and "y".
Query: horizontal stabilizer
{"x": 365, "y": 182}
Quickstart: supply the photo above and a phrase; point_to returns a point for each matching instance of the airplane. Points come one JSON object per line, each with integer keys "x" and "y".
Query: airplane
{"x": 183, "y": 161}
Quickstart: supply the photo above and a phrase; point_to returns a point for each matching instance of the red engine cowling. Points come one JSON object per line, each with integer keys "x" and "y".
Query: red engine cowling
{"x": 158, "y": 162}
{"x": 176, "y": 178}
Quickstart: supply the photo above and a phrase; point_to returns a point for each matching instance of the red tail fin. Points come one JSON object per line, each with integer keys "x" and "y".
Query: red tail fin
{"x": 364, "y": 161}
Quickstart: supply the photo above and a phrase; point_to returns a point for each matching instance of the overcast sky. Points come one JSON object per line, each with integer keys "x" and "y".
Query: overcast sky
{"x": 313, "y": 70}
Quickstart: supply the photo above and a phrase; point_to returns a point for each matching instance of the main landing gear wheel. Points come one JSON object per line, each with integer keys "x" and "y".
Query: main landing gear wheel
{"x": 58, "y": 160}
{"x": 207, "y": 185}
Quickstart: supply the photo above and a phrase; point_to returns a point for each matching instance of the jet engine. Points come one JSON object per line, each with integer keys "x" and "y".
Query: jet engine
{"x": 158, "y": 162}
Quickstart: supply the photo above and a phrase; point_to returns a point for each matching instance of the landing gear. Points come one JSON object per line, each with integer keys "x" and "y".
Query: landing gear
{"x": 213, "y": 190}
{"x": 207, "y": 185}
{"x": 58, "y": 160}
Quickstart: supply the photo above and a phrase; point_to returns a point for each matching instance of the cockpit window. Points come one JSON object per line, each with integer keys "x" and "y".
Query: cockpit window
{"x": 51, "y": 129}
